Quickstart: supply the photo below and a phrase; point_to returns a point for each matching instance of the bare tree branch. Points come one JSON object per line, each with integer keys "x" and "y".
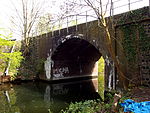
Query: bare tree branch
{"x": 106, "y": 6}
{"x": 101, "y": 13}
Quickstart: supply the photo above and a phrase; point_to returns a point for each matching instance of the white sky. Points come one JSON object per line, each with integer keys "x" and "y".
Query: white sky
{"x": 52, "y": 7}
{"x": 4, "y": 13}
{"x": 8, "y": 9}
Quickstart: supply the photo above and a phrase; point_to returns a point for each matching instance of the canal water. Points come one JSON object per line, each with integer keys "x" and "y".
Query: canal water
{"x": 39, "y": 97}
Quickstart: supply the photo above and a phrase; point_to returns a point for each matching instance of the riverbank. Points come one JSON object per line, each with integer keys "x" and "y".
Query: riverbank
{"x": 111, "y": 103}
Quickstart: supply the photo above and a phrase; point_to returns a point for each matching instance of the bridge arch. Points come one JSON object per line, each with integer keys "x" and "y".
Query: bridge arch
{"x": 75, "y": 56}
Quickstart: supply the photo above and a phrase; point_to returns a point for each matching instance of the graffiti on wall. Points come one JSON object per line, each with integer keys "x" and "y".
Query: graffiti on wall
{"x": 48, "y": 65}
{"x": 59, "y": 72}
{"x": 111, "y": 74}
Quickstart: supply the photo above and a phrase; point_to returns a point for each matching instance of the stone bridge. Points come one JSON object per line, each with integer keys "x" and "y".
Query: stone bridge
{"x": 73, "y": 53}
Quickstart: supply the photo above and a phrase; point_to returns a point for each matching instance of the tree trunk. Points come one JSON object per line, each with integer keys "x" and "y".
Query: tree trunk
{"x": 123, "y": 80}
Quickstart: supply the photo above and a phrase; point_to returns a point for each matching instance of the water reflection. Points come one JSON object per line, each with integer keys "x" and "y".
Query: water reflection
{"x": 59, "y": 89}
{"x": 38, "y": 97}
{"x": 47, "y": 95}
{"x": 7, "y": 96}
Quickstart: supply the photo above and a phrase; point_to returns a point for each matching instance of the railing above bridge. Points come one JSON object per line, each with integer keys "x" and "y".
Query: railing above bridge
{"x": 114, "y": 7}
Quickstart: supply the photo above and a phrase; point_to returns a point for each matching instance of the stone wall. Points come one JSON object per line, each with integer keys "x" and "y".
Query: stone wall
{"x": 46, "y": 44}
{"x": 144, "y": 56}
{"x": 136, "y": 59}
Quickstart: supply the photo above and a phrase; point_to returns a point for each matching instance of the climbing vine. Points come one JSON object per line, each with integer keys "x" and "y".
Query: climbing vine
{"x": 135, "y": 43}
{"x": 135, "y": 40}
{"x": 143, "y": 39}
{"x": 129, "y": 42}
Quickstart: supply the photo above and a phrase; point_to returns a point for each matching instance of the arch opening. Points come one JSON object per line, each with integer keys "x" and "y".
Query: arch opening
{"x": 75, "y": 57}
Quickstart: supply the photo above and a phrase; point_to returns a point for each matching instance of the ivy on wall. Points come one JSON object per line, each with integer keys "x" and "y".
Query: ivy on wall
{"x": 129, "y": 42}
{"x": 144, "y": 40}
{"x": 135, "y": 40}
{"x": 135, "y": 43}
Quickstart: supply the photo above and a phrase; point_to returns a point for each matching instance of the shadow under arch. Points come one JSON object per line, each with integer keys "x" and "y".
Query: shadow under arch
{"x": 77, "y": 58}
{"x": 74, "y": 57}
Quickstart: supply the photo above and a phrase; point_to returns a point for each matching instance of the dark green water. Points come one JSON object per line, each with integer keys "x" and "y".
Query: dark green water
{"x": 39, "y": 97}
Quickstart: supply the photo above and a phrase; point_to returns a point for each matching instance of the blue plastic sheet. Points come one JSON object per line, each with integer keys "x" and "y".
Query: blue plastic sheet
{"x": 135, "y": 107}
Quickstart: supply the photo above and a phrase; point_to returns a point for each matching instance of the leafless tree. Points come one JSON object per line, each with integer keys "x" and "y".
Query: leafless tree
{"x": 24, "y": 19}
{"x": 100, "y": 10}
{"x": 54, "y": 20}
{"x": 103, "y": 8}
{"x": 44, "y": 24}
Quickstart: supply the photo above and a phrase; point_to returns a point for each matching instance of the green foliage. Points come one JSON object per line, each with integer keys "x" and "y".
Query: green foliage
{"x": 6, "y": 58}
{"x": 109, "y": 97}
{"x": 144, "y": 40}
{"x": 101, "y": 85}
{"x": 101, "y": 65}
{"x": 96, "y": 106}
{"x": 40, "y": 66}
{"x": 27, "y": 69}
{"x": 101, "y": 77}
{"x": 89, "y": 106}
{"x": 49, "y": 111}
{"x": 135, "y": 42}
{"x": 5, "y": 42}
{"x": 129, "y": 42}
{"x": 14, "y": 59}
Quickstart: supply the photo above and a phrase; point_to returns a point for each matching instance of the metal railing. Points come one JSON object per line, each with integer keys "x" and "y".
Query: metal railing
{"x": 114, "y": 7}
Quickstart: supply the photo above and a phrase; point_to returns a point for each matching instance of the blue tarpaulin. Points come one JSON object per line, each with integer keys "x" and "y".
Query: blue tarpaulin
{"x": 135, "y": 107}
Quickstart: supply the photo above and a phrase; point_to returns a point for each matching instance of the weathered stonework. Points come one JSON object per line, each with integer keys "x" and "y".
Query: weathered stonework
{"x": 52, "y": 43}
{"x": 144, "y": 57}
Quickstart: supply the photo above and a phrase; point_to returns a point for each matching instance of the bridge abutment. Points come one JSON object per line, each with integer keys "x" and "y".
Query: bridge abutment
{"x": 75, "y": 52}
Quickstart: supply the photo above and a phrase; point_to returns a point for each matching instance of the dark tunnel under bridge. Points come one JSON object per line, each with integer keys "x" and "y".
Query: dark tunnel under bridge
{"x": 74, "y": 57}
